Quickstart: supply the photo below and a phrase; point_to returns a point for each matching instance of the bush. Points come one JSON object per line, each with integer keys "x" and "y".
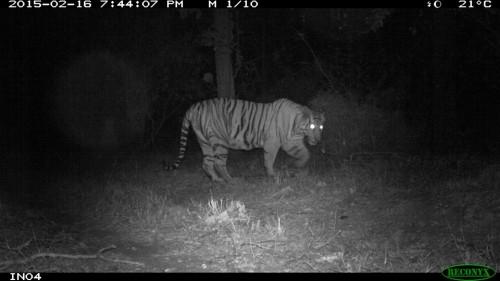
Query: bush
{"x": 360, "y": 127}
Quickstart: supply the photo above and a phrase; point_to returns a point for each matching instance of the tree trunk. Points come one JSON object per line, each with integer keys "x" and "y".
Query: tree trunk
{"x": 223, "y": 51}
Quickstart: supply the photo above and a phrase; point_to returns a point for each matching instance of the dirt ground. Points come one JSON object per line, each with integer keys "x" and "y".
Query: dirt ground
{"x": 392, "y": 214}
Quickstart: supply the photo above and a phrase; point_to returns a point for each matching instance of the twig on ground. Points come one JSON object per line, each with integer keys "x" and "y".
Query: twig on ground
{"x": 18, "y": 248}
{"x": 310, "y": 265}
{"x": 255, "y": 245}
{"x": 282, "y": 192}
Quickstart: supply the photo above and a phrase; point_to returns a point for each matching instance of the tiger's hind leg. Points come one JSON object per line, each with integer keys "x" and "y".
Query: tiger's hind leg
{"x": 221, "y": 162}
{"x": 210, "y": 162}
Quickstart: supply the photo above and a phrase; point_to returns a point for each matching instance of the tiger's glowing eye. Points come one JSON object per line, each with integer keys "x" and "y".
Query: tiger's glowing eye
{"x": 321, "y": 127}
{"x": 312, "y": 126}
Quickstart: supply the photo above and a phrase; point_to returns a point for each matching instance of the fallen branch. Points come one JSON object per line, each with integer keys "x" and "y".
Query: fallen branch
{"x": 98, "y": 255}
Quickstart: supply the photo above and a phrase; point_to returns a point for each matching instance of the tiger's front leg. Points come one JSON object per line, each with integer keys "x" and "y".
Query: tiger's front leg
{"x": 298, "y": 151}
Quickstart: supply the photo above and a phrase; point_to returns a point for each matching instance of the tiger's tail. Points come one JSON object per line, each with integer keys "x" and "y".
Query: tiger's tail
{"x": 182, "y": 145}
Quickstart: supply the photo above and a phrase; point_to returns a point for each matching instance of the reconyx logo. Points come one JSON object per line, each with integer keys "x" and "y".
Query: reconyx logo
{"x": 468, "y": 272}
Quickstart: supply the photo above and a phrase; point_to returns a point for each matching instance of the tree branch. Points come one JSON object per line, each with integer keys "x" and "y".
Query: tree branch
{"x": 98, "y": 255}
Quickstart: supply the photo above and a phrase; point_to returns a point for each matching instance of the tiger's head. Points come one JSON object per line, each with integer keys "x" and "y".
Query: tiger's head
{"x": 310, "y": 124}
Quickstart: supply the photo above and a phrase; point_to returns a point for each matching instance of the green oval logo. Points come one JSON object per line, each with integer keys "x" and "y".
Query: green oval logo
{"x": 468, "y": 271}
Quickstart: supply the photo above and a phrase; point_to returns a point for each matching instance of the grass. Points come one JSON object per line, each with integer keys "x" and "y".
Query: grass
{"x": 382, "y": 215}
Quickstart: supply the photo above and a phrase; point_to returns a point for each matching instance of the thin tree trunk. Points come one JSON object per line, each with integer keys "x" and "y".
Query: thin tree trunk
{"x": 263, "y": 66}
{"x": 443, "y": 82}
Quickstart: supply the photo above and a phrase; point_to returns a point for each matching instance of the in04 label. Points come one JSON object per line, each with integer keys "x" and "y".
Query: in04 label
{"x": 25, "y": 276}
{"x": 468, "y": 272}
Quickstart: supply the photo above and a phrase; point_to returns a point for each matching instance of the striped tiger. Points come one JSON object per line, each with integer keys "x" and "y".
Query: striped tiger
{"x": 221, "y": 124}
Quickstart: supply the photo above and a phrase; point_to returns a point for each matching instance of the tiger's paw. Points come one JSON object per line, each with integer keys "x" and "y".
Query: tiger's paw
{"x": 278, "y": 177}
{"x": 298, "y": 173}
{"x": 236, "y": 181}
{"x": 294, "y": 172}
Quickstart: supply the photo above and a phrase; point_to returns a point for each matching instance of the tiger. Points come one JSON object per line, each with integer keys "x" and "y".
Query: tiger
{"x": 221, "y": 124}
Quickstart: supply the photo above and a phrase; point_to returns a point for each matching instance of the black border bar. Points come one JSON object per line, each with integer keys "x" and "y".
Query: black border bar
{"x": 244, "y": 4}
{"x": 232, "y": 276}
